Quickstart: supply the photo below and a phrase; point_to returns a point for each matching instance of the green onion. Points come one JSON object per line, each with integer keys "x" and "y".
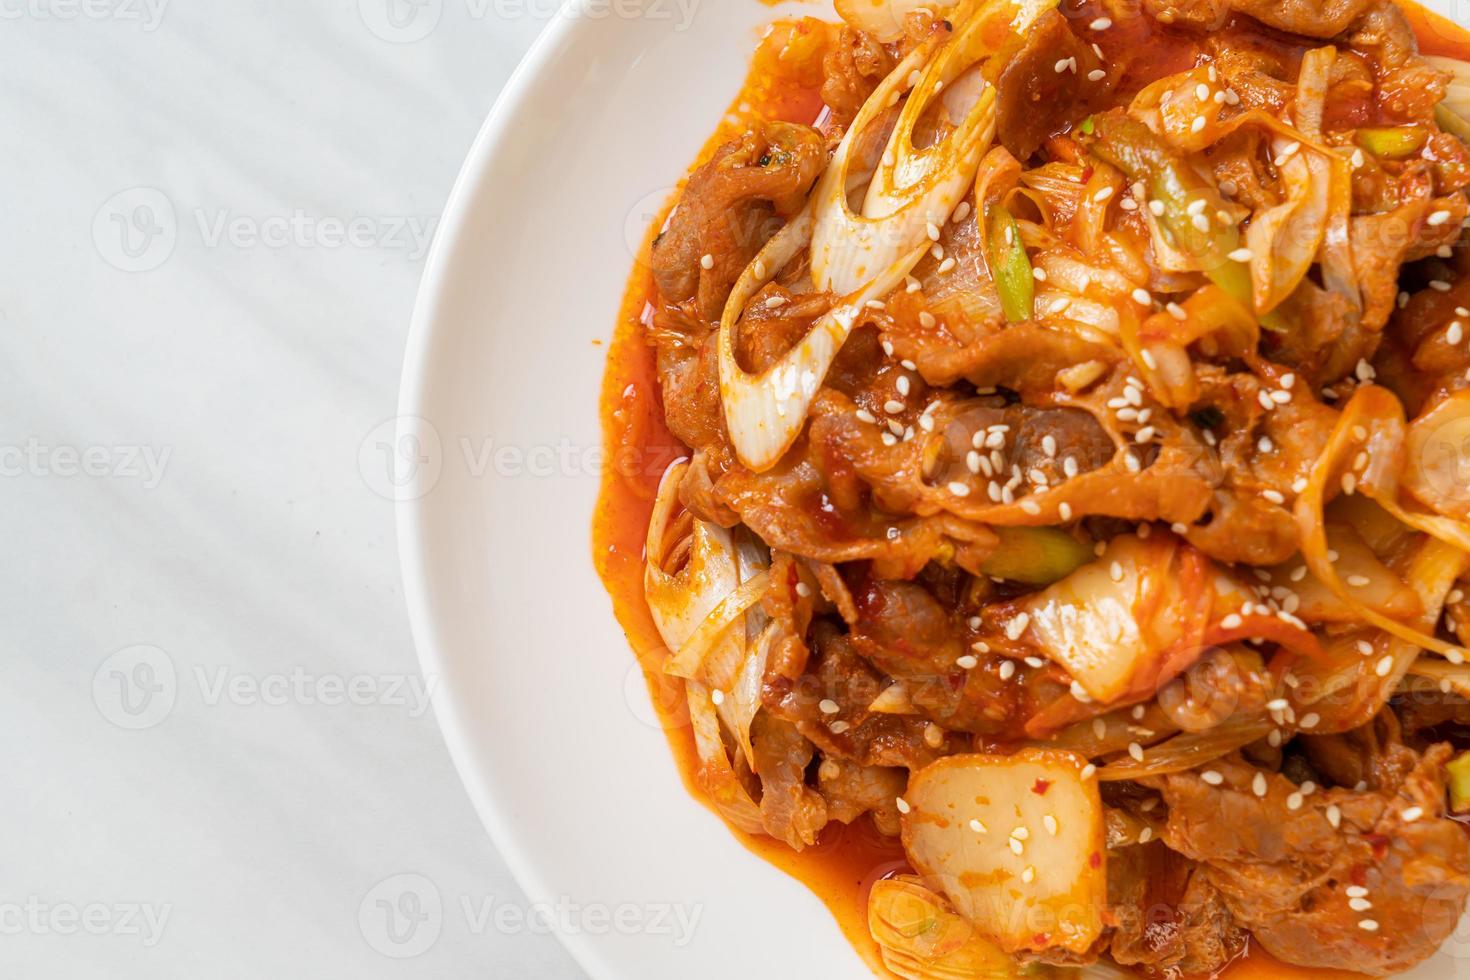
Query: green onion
{"x": 1036, "y": 555}
{"x": 1393, "y": 142}
{"x": 1010, "y": 266}
{"x": 1459, "y": 773}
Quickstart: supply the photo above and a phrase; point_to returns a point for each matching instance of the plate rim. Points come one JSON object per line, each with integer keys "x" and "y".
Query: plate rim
{"x": 448, "y": 704}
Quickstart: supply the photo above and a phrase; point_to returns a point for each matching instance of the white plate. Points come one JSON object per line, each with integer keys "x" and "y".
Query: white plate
{"x": 540, "y": 702}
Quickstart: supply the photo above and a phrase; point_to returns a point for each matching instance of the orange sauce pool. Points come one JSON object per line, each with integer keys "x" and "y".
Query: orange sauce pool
{"x": 845, "y": 862}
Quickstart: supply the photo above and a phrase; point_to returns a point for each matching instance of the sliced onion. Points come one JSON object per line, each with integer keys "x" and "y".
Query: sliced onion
{"x": 716, "y": 775}
{"x": 1189, "y": 750}
{"x": 1437, "y": 457}
{"x": 1283, "y": 240}
{"x": 689, "y": 661}
{"x": 766, "y": 412}
{"x": 911, "y": 188}
{"x": 681, "y": 602}
{"x": 1453, "y": 677}
{"x": 884, "y": 19}
{"x": 1376, "y": 411}
{"x": 739, "y": 707}
{"x": 922, "y": 937}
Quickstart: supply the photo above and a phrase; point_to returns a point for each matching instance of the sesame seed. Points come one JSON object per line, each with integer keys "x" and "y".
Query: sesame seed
{"x": 893, "y": 406}
{"x": 1358, "y": 581}
{"x": 838, "y": 727}
{"x": 1265, "y": 445}
{"x": 1200, "y": 221}
{"x": 1136, "y": 751}
{"x": 903, "y": 804}
{"x": 1258, "y": 784}
{"x": 1146, "y": 834}
{"x": 1384, "y": 666}
{"x": 1176, "y": 311}
{"x": 946, "y": 265}
{"x": 1016, "y": 846}
{"x": 1438, "y": 218}
{"x": 967, "y": 662}
{"x": 1017, "y": 626}
{"x": 1232, "y": 621}
{"x": 1101, "y": 24}
{"x": 1212, "y": 777}
{"x": 1088, "y": 771}
{"x": 1080, "y": 693}
{"x": 1357, "y": 891}
{"x": 1031, "y": 507}
{"x": 1007, "y": 670}
{"x": 1060, "y": 66}
{"x": 803, "y": 590}
{"x": 1240, "y": 255}
{"x": 1021, "y": 833}
{"x": 1103, "y": 195}
{"x": 717, "y": 696}
{"x": 1359, "y": 904}
{"x": 1454, "y": 334}
{"x": 1274, "y": 496}
{"x": 1368, "y": 925}
{"x": 1412, "y": 813}
{"x": 1029, "y": 875}
{"x": 1198, "y": 125}
{"x": 863, "y": 415}
{"x": 1202, "y": 91}
{"x": 1294, "y": 801}
{"x": 1310, "y": 719}
{"x": 1096, "y": 75}
{"x": 1265, "y": 399}
{"x": 1142, "y": 297}
{"x": 707, "y": 262}
{"x": 889, "y": 439}
{"x": 1439, "y": 285}
{"x": 902, "y": 384}
{"x": 1334, "y": 816}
